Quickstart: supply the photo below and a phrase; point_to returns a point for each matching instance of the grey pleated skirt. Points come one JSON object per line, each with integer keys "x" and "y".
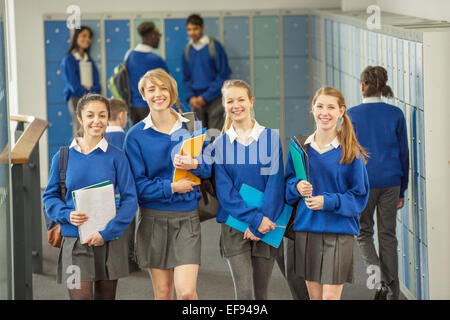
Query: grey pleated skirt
{"x": 167, "y": 239}
{"x": 107, "y": 262}
{"x": 324, "y": 257}
{"x": 232, "y": 243}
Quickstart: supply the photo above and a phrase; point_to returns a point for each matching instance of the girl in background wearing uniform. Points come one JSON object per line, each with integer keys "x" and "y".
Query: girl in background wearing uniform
{"x": 247, "y": 153}
{"x": 327, "y": 220}
{"x": 168, "y": 228}
{"x": 79, "y": 71}
{"x": 103, "y": 259}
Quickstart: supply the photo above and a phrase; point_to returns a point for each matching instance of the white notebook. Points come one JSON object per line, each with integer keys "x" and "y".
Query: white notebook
{"x": 86, "y": 73}
{"x": 98, "y": 203}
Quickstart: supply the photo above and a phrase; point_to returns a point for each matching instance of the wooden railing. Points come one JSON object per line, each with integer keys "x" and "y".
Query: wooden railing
{"x": 27, "y": 141}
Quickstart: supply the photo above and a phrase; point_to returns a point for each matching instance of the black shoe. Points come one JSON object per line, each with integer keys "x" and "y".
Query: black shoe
{"x": 382, "y": 293}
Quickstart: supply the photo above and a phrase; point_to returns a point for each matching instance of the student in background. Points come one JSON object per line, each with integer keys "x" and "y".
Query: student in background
{"x": 203, "y": 75}
{"x": 141, "y": 59}
{"x": 115, "y": 133}
{"x": 381, "y": 130}
{"x": 247, "y": 153}
{"x": 79, "y": 71}
{"x": 327, "y": 219}
{"x": 168, "y": 228}
{"x": 102, "y": 260}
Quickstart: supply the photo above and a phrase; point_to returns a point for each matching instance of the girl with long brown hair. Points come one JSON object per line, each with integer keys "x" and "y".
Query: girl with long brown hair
{"x": 329, "y": 203}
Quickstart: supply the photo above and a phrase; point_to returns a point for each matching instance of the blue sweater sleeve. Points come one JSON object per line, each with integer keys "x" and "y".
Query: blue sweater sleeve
{"x": 231, "y": 201}
{"x": 56, "y": 209}
{"x": 71, "y": 72}
{"x": 273, "y": 199}
{"x": 187, "y": 79}
{"x": 291, "y": 181}
{"x": 147, "y": 189}
{"x": 223, "y": 71}
{"x": 354, "y": 200}
{"x": 404, "y": 154}
{"x": 128, "y": 200}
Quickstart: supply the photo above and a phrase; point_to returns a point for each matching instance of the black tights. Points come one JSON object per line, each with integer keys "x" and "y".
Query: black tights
{"x": 103, "y": 290}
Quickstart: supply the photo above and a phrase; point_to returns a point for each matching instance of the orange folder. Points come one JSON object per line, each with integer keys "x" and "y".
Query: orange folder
{"x": 192, "y": 146}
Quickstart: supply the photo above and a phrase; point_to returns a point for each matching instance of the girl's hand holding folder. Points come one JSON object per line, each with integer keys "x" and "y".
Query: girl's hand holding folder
{"x": 304, "y": 188}
{"x": 78, "y": 218}
{"x": 95, "y": 240}
{"x": 266, "y": 225}
{"x": 314, "y": 203}
{"x": 185, "y": 161}
{"x": 183, "y": 186}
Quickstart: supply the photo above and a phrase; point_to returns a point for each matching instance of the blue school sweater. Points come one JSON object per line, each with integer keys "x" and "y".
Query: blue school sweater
{"x": 202, "y": 76}
{"x": 115, "y": 138}
{"x": 85, "y": 170}
{"x": 150, "y": 154}
{"x": 71, "y": 72}
{"x": 259, "y": 165}
{"x": 138, "y": 63}
{"x": 345, "y": 188}
{"x": 381, "y": 131}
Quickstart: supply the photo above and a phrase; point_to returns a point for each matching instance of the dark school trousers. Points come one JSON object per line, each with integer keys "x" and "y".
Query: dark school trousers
{"x": 212, "y": 115}
{"x": 384, "y": 200}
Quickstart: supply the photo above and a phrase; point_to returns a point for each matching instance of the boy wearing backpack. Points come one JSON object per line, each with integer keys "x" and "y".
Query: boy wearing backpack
{"x": 205, "y": 68}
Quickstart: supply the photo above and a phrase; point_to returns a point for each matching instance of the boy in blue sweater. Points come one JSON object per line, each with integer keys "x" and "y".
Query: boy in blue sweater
{"x": 329, "y": 203}
{"x": 203, "y": 74}
{"x": 381, "y": 130}
{"x": 115, "y": 133}
{"x": 140, "y": 60}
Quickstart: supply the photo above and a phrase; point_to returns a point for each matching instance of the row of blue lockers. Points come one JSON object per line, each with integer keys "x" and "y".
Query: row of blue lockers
{"x": 247, "y": 40}
{"x": 342, "y": 51}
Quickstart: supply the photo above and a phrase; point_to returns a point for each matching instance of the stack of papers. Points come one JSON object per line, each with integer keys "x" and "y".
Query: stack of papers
{"x": 99, "y": 204}
{"x": 192, "y": 146}
{"x": 253, "y": 198}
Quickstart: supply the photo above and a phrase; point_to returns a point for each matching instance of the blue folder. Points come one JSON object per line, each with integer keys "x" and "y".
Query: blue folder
{"x": 253, "y": 198}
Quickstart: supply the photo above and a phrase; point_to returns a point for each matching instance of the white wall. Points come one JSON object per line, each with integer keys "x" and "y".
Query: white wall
{"x": 429, "y": 9}
{"x": 30, "y": 38}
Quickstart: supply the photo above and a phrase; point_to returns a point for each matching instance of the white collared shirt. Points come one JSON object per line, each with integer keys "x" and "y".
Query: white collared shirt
{"x": 330, "y": 146}
{"x": 114, "y": 129}
{"x": 141, "y": 47}
{"x": 254, "y": 135}
{"x": 372, "y": 100}
{"x": 204, "y": 41}
{"x": 103, "y": 145}
{"x": 148, "y": 123}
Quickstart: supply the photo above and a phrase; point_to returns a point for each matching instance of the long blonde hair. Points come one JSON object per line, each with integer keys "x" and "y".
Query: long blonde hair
{"x": 160, "y": 75}
{"x": 234, "y": 83}
{"x": 351, "y": 148}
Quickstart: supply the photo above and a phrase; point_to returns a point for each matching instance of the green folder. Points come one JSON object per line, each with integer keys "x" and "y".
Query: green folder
{"x": 297, "y": 159}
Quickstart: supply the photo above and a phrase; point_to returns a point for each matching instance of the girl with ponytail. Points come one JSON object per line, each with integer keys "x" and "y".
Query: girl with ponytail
{"x": 168, "y": 228}
{"x": 381, "y": 129}
{"x": 329, "y": 203}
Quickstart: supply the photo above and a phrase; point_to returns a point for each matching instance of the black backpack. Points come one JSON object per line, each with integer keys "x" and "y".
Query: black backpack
{"x": 208, "y": 205}
{"x": 290, "y": 233}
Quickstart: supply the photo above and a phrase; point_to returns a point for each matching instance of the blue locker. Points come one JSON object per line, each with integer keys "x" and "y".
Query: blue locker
{"x": 412, "y": 73}
{"x": 296, "y": 75}
{"x": 405, "y": 256}
{"x": 212, "y": 27}
{"x": 267, "y": 112}
{"x": 389, "y": 60}
{"x": 117, "y": 38}
{"x": 373, "y": 48}
{"x": 400, "y": 94}
{"x": 267, "y": 78}
{"x": 418, "y": 268}
{"x": 423, "y": 210}
{"x": 295, "y": 29}
{"x": 236, "y": 37}
{"x": 176, "y": 70}
{"x": 265, "y": 36}
{"x": 421, "y": 145}
{"x": 297, "y": 116}
{"x": 60, "y": 124}
{"x": 240, "y": 68}
{"x": 176, "y": 38}
{"x": 424, "y": 269}
{"x": 419, "y": 75}
{"x": 57, "y": 40}
{"x": 399, "y": 232}
{"x": 55, "y": 83}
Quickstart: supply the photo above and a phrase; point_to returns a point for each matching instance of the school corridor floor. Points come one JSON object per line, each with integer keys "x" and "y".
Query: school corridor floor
{"x": 214, "y": 280}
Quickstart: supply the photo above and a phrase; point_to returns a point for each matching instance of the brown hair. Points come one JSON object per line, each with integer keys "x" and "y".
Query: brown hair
{"x": 84, "y": 100}
{"x": 375, "y": 79}
{"x": 351, "y": 148}
{"x": 161, "y": 76}
{"x": 117, "y": 106}
{"x": 238, "y": 84}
